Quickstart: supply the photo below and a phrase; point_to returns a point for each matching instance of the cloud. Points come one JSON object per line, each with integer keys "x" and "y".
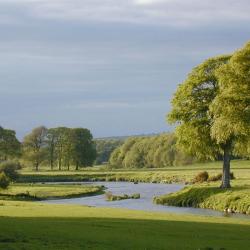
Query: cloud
{"x": 161, "y": 12}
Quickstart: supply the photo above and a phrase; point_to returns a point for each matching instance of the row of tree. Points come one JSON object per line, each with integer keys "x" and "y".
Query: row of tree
{"x": 105, "y": 147}
{"x": 149, "y": 152}
{"x": 60, "y": 147}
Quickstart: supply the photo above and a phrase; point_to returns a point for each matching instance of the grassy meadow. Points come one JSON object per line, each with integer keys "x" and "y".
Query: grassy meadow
{"x": 181, "y": 174}
{"x": 31, "y": 226}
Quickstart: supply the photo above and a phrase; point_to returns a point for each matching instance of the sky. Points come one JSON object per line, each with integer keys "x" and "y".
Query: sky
{"x": 108, "y": 65}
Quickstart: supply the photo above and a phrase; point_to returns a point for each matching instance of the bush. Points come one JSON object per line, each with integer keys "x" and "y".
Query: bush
{"x": 218, "y": 177}
{"x": 108, "y": 196}
{"x": 4, "y": 181}
{"x": 232, "y": 177}
{"x": 111, "y": 197}
{"x": 201, "y": 177}
{"x": 10, "y": 169}
{"x": 136, "y": 196}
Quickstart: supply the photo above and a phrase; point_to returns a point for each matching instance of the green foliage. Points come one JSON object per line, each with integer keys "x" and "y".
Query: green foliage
{"x": 111, "y": 197}
{"x": 34, "y": 146}
{"x": 10, "y": 169}
{"x": 212, "y": 110}
{"x": 231, "y": 106}
{"x": 149, "y": 152}
{"x": 62, "y": 146}
{"x": 191, "y": 109}
{"x": 10, "y": 147}
{"x": 83, "y": 150}
{"x": 4, "y": 180}
{"x": 104, "y": 148}
{"x": 201, "y": 177}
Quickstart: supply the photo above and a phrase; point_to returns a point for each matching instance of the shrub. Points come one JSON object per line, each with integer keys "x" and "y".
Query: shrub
{"x": 232, "y": 177}
{"x": 111, "y": 197}
{"x": 218, "y": 177}
{"x": 10, "y": 169}
{"x": 4, "y": 181}
{"x": 136, "y": 196}
{"x": 201, "y": 177}
{"x": 108, "y": 196}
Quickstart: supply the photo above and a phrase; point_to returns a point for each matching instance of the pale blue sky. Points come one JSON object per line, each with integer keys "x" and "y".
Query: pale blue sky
{"x": 108, "y": 65}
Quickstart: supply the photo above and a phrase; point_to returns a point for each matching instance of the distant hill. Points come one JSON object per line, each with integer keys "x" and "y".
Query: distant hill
{"x": 124, "y": 137}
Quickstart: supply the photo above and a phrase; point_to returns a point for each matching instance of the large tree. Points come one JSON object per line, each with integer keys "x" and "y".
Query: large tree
{"x": 34, "y": 146}
{"x": 211, "y": 108}
{"x": 231, "y": 107}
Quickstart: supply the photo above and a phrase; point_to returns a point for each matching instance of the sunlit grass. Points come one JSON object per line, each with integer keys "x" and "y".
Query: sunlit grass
{"x": 182, "y": 174}
{"x": 45, "y": 191}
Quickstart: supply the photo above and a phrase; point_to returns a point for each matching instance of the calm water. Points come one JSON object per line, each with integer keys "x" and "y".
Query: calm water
{"x": 147, "y": 192}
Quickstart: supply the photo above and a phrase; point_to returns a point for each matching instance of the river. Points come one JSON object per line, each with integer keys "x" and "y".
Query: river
{"x": 147, "y": 192}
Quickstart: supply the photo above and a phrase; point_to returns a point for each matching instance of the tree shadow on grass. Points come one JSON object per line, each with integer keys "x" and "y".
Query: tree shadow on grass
{"x": 113, "y": 233}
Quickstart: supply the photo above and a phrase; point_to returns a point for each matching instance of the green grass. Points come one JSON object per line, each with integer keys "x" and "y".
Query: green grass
{"x": 38, "y": 226}
{"x": 45, "y": 191}
{"x": 111, "y": 197}
{"x": 208, "y": 195}
{"x": 182, "y": 174}
{"x": 31, "y": 226}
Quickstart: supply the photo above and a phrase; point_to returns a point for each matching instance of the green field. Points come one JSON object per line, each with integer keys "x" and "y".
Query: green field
{"x": 182, "y": 174}
{"x": 45, "y": 191}
{"x": 31, "y": 226}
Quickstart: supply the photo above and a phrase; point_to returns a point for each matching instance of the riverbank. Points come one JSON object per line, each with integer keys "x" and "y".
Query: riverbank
{"x": 207, "y": 195}
{"x": 234, "y": 200}
{"x": 23, "y": 226}
{"x": 182, "y": 174}
{"x": 46, "y": 191}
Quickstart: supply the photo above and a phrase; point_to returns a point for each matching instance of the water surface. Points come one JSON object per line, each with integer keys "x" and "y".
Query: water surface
{"x": 147, "y": 192}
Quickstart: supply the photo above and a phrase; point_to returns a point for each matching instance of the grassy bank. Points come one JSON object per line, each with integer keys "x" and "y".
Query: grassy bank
{"x": 45, "y": 191}
{"x": 31, "y": 226}
{"x": 182, "y": 174}
{"x": 236, "y": 199}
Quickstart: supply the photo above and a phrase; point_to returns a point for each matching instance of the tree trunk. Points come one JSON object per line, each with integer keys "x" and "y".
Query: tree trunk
{"x": 60, "y": 164}
{"x": 226, "y": 168}
{"x": 36, "y": 166}
{"x": 51, "y": 164}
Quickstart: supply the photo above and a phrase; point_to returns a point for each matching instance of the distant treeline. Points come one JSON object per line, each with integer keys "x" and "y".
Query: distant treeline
{"x": 63, "y": 148}
{"x": 105, "y": 147}
{"x": 149, "y": 152}
{"x": 57, "y": 147}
